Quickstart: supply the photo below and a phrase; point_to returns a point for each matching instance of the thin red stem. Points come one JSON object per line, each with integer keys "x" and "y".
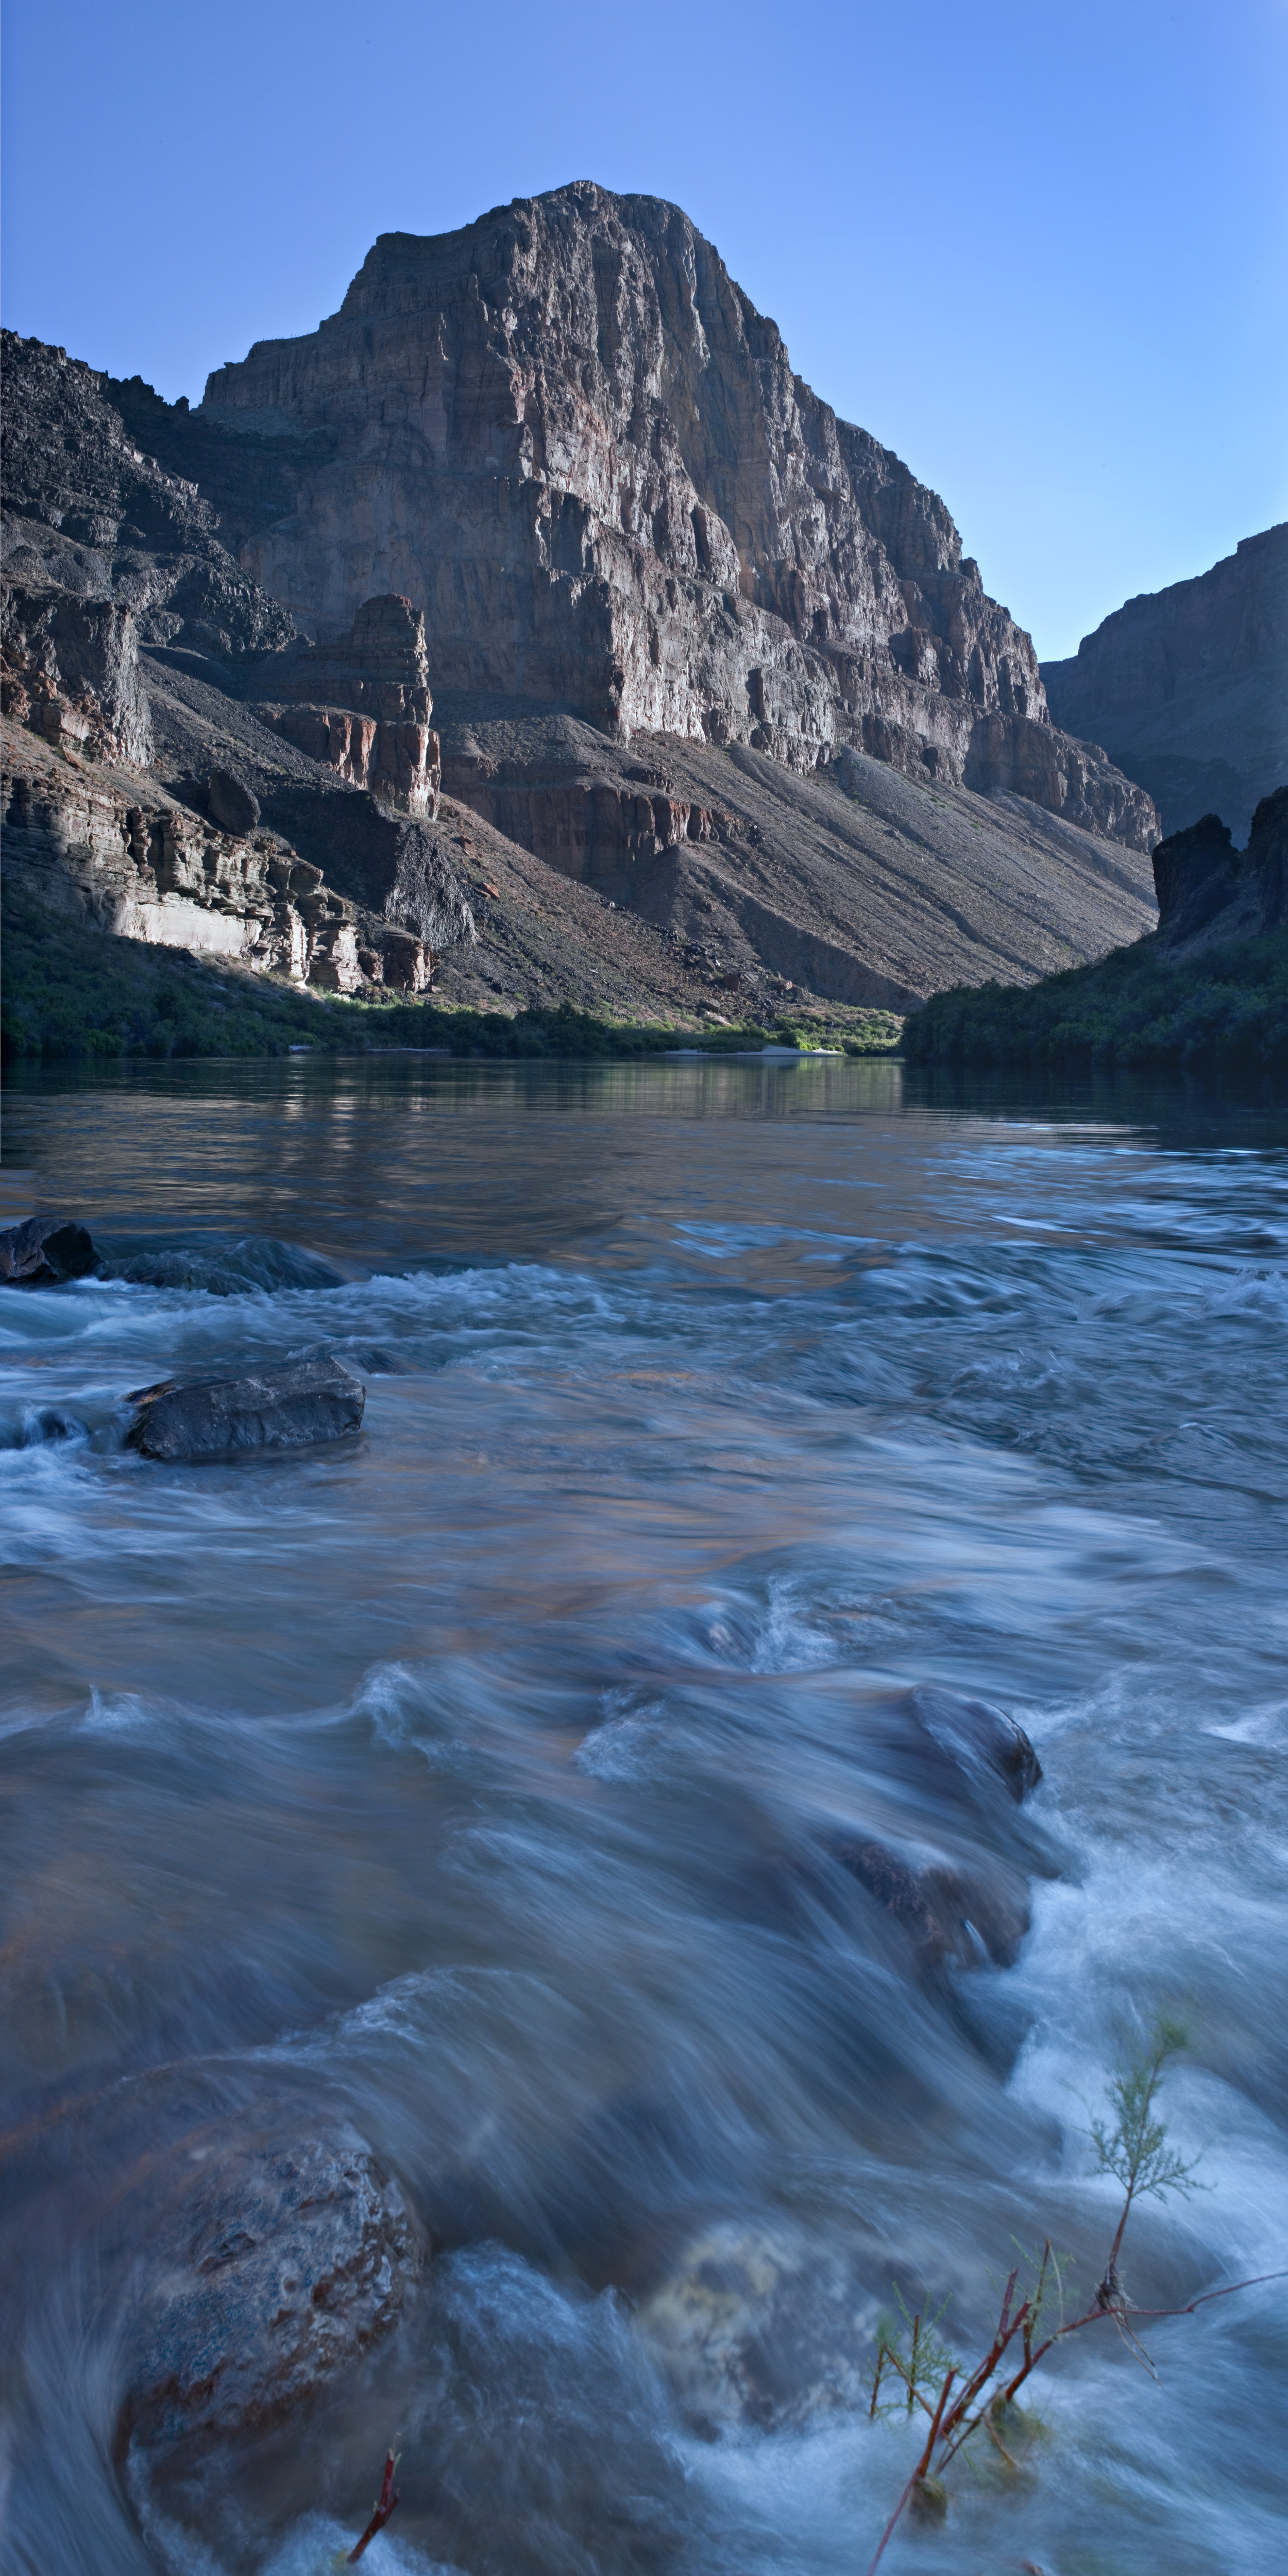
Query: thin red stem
{"x": 387, "y": 2500}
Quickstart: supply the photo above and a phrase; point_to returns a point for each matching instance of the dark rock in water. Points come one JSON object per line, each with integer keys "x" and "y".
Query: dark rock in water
{"x": 45, "y": 1250}
{"x": 231, "y": 803}
{"x": 955, "y": 1917}
{"x": 269, "y": 1408}
{"x": 957, "y": 1881}
{"x": 274, "y": 2270}
{"x": 980, "y": 1738}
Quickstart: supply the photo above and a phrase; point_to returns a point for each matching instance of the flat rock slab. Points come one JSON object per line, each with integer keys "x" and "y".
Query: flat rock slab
{"x": 269, "y": 1408}
{"x": 44, "y": 1251}
{"x": 268, "y": 2271}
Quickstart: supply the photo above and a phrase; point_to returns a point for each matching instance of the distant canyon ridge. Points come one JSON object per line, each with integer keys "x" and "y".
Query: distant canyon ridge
{"x": 692, "y": 642}
{"x": 1188, "y": 687}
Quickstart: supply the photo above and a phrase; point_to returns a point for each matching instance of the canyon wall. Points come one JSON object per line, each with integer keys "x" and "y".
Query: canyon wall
{"x": 569, "y": 435}
{"x": 1189, "y": 686}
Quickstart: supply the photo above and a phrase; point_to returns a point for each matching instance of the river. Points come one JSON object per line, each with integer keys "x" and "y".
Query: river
{"x": 482, "y": 1780}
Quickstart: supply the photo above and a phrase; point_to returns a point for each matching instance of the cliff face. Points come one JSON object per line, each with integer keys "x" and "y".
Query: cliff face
{"x": 96, "y": 843}
{"x": 1209, "y": 892}
{"x": 1188, "y": 687}
{"x": 704, "y": 655}
{"x": 88, "y": 513}
{"x": 569, "y": 435}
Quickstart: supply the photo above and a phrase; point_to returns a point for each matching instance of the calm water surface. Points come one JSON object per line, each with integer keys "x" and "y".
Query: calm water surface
{"x": 479, "y": 1778}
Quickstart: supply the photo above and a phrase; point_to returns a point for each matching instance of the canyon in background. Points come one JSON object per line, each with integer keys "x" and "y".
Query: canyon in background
{"x": 719, "y": 709}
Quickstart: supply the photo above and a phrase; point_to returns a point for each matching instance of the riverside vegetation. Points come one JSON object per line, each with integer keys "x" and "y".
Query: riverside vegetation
{"x": 70, "y": 994}
{"x": 962, "y": 2402}
{"x": 1208, "y": 988}
{"x": 1136, "y": 1008}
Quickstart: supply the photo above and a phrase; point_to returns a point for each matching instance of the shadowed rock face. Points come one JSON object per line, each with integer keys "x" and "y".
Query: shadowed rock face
{"x": 1188, "y": 686}
{"x": 87, "y": 512}
{"x": 70, "y": 670}
{"x": 1208, "y": 891}
{"x": 569, "y": 434}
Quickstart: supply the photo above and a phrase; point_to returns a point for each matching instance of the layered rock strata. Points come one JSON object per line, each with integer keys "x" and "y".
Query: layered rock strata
{"x": 856, "y": 883}
{"x": 362, "y": 706}
{"x": 97, "y": 844}
{"x": 284, "y": 767}
{"x": 570, "y": 435}
{"x": 587, "y": 826}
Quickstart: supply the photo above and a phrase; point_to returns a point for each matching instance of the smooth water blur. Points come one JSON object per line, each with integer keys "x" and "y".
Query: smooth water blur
{"x": 478, "y": 1777}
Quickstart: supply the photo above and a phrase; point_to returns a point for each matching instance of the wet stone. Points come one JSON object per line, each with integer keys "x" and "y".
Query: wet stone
{"x": 268, "y": 1408}
{"x": 981, "y": 1739}
{"x": 756, "y": 2325}
{"x": 953, "y": 1916}
{"x": 268, "y": 2274}
{"x": 44, "y": 1251}
{"x": 958, "y": 1883}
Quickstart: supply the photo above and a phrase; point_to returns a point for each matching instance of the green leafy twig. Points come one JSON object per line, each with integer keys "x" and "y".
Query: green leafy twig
{"x": 1135, "y": 2152}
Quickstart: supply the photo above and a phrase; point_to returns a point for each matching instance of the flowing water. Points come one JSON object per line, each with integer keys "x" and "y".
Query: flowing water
{"x": 487, "y": 1779}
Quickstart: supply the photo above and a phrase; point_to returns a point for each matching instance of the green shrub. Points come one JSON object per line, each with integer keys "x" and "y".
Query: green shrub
{"x": 1136, "y": 1008}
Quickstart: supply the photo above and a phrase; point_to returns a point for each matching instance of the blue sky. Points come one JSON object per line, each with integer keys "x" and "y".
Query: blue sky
{"x": 1039, "y": 249}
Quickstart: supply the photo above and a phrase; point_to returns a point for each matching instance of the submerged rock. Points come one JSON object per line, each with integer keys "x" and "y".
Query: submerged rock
{"x": 274, "y": 2269}
{"x": 959, "y": 1886}
{"x": 979, "y": 1738}
{"x": 41, "y": 1426}
{"x": 44, "y": 1251}
{"x": 955, "y": 1917}
{"x": 269, "y": 1408}
{"x": 754, "y": 2324}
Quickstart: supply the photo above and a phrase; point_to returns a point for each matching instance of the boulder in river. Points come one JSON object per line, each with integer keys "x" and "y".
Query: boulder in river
{"x": 957, "y": 1881}
{"x": 954, "y": 1916}
{"x": 979, "y": 1738}
{"x": 269, "y": 2271}
{"x": 756, "y": 2323}
{"x": 268, "y": 1408}
{"x": 44, "y": 1251}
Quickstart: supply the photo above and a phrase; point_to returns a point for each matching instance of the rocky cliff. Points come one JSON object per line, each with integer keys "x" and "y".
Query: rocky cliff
{"x": 96, "y": 843}
{"x": 1188, "y": 687}
{"x": 707, "y": 655}
{"x": 1209, "y": 892}
{"x": 569, "y": 435}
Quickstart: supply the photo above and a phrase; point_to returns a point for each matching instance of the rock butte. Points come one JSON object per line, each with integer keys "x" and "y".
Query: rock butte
{"x": 695, "y": 642}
